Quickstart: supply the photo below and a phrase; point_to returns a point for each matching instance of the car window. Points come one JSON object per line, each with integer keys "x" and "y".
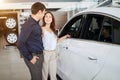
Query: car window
{"x": 116, "y": 31}
{"x": 106, "y": 34}
{"x": 92, "y": 27}
{"x": 73, "y": 27}
{"x": 101, "y": 28}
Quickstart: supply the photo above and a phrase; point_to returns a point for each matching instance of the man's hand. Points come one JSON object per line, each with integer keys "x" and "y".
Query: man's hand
{"x": 34, "y": 59}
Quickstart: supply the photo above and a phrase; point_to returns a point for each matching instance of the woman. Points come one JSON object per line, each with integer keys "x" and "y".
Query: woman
{"x": 49, "y": 42}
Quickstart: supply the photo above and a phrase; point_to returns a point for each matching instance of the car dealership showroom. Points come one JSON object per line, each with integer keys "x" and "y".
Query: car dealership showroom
{"x": 85, "y": 44}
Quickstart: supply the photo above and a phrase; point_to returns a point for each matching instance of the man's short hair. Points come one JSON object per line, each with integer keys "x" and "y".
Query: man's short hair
{"x": 36, "y": 7}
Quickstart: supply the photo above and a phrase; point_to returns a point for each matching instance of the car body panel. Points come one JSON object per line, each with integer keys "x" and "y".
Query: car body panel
{"x": 111, "y": 68}
{"x": 84, "y": 59}
{"x": 107, "y": 11}
{"x": 86, "y": 53}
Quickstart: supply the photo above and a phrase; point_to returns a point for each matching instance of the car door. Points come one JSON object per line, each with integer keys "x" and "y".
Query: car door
{"x": 65, "y": 58}
{"x": 81, "y": 59}
{"x": 111, "y": 69}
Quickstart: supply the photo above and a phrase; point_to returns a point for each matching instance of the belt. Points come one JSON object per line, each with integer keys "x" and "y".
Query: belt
{"x": 37, "y": 53}
{"x": 40, "y": 52}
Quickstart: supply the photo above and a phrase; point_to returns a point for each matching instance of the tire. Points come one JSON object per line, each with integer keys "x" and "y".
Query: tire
{"x": 11, "y": 38}
{"x": 10, "y": 23}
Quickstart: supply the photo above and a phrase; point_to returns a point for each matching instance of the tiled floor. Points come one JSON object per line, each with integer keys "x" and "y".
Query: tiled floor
{"x": 12, "y": 67}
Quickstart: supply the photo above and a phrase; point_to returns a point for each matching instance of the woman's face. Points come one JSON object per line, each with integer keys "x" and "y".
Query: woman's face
{"x": 48, "y": 18}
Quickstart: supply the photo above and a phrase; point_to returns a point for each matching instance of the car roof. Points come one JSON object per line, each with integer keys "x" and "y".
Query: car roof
{"x": 111, "y": 11}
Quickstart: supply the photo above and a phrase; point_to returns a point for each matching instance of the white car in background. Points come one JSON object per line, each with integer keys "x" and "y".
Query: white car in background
{"x": 88, "y": 54}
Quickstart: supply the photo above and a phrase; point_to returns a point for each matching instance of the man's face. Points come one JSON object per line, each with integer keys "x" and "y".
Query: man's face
{"x": 41, "y": 13}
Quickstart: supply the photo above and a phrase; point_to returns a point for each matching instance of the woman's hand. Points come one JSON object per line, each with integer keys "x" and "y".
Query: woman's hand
{"x": 67, "y": 36}
{"x": 64, "y": 37}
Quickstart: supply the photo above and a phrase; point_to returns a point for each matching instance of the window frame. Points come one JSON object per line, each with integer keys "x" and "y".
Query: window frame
{"x": 67, "y": 26}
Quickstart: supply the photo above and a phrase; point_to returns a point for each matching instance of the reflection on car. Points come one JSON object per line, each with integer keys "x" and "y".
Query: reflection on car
{"x": 106, "y": 34}
{"x": 93, "y": 51}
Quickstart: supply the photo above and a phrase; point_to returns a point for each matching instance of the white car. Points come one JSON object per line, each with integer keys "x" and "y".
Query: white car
{"x": 93, "y": 51}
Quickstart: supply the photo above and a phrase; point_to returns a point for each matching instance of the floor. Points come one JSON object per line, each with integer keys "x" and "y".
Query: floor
{"x": 12, "y": 66}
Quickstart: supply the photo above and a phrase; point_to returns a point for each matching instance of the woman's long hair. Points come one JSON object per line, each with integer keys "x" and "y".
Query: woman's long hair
{"x": 52, "y": 25}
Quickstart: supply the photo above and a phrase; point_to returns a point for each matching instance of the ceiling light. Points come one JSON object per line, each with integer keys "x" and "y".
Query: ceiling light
{"x": 1, "y": 1}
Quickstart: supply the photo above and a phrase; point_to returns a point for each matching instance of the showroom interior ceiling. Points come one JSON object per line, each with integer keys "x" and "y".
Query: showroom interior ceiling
{"x": 26, "y": 4}
{"x": 50, "y": 4}
{"x": 17, "y": 1}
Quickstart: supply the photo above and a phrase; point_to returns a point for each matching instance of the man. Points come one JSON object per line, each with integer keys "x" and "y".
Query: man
{"x": 30, "y": 42}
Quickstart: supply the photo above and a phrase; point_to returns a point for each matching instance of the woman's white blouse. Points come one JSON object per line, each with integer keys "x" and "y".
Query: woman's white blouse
{"x": 49, "y": 40}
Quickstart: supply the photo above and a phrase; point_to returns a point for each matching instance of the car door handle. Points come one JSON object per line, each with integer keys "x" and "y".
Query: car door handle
{"x": 65, "y": 47}
{"x": 91, "y": 58}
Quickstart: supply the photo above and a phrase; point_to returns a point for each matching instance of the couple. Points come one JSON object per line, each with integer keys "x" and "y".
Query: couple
{"x": 37, "y": 44}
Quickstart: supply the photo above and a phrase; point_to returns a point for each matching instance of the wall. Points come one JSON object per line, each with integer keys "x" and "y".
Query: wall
{"x": 60, "y": 18}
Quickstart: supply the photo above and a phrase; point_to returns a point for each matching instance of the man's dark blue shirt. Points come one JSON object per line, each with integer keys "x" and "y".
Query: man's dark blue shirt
{"x": 30, "y": 39}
